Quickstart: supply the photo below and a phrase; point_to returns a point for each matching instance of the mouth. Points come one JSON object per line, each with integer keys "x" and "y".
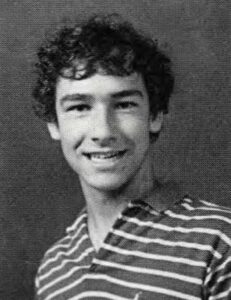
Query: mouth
{"x": 103, "y": 156}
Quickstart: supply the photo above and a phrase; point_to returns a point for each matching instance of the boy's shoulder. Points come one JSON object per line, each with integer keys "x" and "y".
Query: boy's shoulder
{"x": 199, "y": 209}
{"x": 67, "y": 243}
{"x": 202, "y": 215}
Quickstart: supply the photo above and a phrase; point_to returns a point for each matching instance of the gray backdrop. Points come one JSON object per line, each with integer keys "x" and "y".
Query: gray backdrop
{"x": 39, "y": 195}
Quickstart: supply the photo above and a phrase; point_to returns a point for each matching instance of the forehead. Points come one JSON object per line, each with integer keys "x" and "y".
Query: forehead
{"x": 99, "y": 85}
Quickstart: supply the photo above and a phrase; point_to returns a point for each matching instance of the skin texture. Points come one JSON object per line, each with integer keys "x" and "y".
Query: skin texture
{"x": 106, "y": 114}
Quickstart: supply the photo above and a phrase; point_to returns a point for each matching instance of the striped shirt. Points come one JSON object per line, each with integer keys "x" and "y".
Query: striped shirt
{"x": 183, "y": 252}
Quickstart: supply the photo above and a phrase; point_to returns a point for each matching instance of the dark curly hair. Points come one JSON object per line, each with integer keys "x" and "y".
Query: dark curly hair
{"x": 105, "y": 44}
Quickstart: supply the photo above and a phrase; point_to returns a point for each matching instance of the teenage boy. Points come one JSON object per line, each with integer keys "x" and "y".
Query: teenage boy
{"x": 103, "y": 89}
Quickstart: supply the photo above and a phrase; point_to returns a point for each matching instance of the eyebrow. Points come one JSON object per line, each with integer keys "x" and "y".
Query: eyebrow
{"x": 76, "y": 97}
{"x": 88, "y": 97}
{"x": 127, "y": 93}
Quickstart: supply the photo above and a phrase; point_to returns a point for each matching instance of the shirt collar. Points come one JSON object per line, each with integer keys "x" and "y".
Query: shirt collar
{"x": 159, "y": 199}
{"x": 163, "y": 196}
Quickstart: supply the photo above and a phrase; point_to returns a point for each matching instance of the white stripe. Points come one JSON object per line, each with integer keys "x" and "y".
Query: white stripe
{"x": 145, "y": 287}
{"x": 221, "y": 267}
{"x": 188, "y": 200}
{"x": 65, "y": 288}
{"x": 224, "y": 295}
{"x": 74, "y": 226}
{"x": 224, "y": 277}
{"x": 84, "y": 225}
{"x": 65, "y": 261}
{"x": 189, "y": 207}
{"x": 202, "y": 230}
{"x": 213, "y": 204}
{"x": 220, "y": 279}
{"x": 183, "y": 217}
{"x": 59, "y": 246}
{"x": 181, "y": 244}
{"x": 61, "y": 278}
{"x": 156, "y": 272}
{"x": 172, "y": 259}
{"x": 58, "y": 254}
{"x": 214, "y": 209}
{"x": 37, "y": 282}
{"x": 127, "y": 284}
{"x": 209, "y": 203}
{"x": 98, "y": 294}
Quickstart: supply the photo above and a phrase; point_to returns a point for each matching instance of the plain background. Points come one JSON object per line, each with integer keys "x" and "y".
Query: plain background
{"x": 39, "y": 194}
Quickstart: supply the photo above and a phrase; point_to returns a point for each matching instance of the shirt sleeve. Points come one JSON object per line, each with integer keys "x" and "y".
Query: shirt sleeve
{"x": 218, "y": 280}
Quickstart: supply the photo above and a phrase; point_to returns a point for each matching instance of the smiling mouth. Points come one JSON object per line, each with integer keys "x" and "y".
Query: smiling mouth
{"x": 105, "y": 156}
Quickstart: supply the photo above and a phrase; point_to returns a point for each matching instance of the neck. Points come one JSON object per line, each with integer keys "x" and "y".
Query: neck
{"x": 105, "y": 206}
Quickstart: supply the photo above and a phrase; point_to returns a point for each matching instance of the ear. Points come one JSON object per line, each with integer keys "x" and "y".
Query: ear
{"x": 54, "y": 130}
{"x": 155, "y": 123}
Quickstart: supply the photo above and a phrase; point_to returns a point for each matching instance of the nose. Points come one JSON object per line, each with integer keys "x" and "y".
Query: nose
{"x": 103, "y": 129}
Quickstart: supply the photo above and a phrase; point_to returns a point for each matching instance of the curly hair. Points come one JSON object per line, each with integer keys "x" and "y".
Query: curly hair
{"x": 105, "y": 44}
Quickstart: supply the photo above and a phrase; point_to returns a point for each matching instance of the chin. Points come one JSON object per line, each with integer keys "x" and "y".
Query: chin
{"x": 107, "y": 184}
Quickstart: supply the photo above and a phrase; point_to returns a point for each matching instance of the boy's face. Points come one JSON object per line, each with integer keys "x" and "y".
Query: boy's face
{"x": 104, "y": 126}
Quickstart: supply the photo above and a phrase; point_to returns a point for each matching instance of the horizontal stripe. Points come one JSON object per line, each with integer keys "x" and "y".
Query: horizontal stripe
{"x": 61, "y": 278}
{"x": 60, "y": 247}
{"x": 188, "y": 218}
{"x": 64, "y": 262}
{"x": 219, "y": 268}
{"x": 214, "y": 205}
{"x": 219, "y": 280}
{"x": 139, "y": 286}
{"x": 223, "y": 265}
{"x": 63, "y": 243}
{"x": 149, "y": 271}
{"x": 168, "y": 258}
{"x": 223, "y": 278}
{"x": 223, "y": 295}
{"x": 129, "y": 284}
{"x": 80, "y": 229}
{"x": 59, "y": 254}
{"x": 74, "y": 226}
{"x": 191, "y": 208}
{"x": 181, "y": 244}
{"x": 97, "y": 294}
{"x": 201, "y": 230}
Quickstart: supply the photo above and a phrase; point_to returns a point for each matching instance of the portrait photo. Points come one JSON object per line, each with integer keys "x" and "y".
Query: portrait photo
{"x": 115, "y": 152}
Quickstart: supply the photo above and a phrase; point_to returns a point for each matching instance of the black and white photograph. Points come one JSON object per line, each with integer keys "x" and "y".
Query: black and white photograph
{"x": 115, "y": 150}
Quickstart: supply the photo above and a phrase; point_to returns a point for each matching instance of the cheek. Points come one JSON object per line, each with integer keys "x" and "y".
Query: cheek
{"x": 135, "y": 128}
{"x": 72, "y": 133}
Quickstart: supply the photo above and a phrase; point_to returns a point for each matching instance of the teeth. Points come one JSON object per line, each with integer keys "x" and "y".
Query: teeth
{"x": 104, "y": 156}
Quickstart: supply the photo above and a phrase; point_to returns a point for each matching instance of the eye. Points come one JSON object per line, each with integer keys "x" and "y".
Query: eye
{"x": 79, "y": 107}
{"x": 126, "y": 105}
